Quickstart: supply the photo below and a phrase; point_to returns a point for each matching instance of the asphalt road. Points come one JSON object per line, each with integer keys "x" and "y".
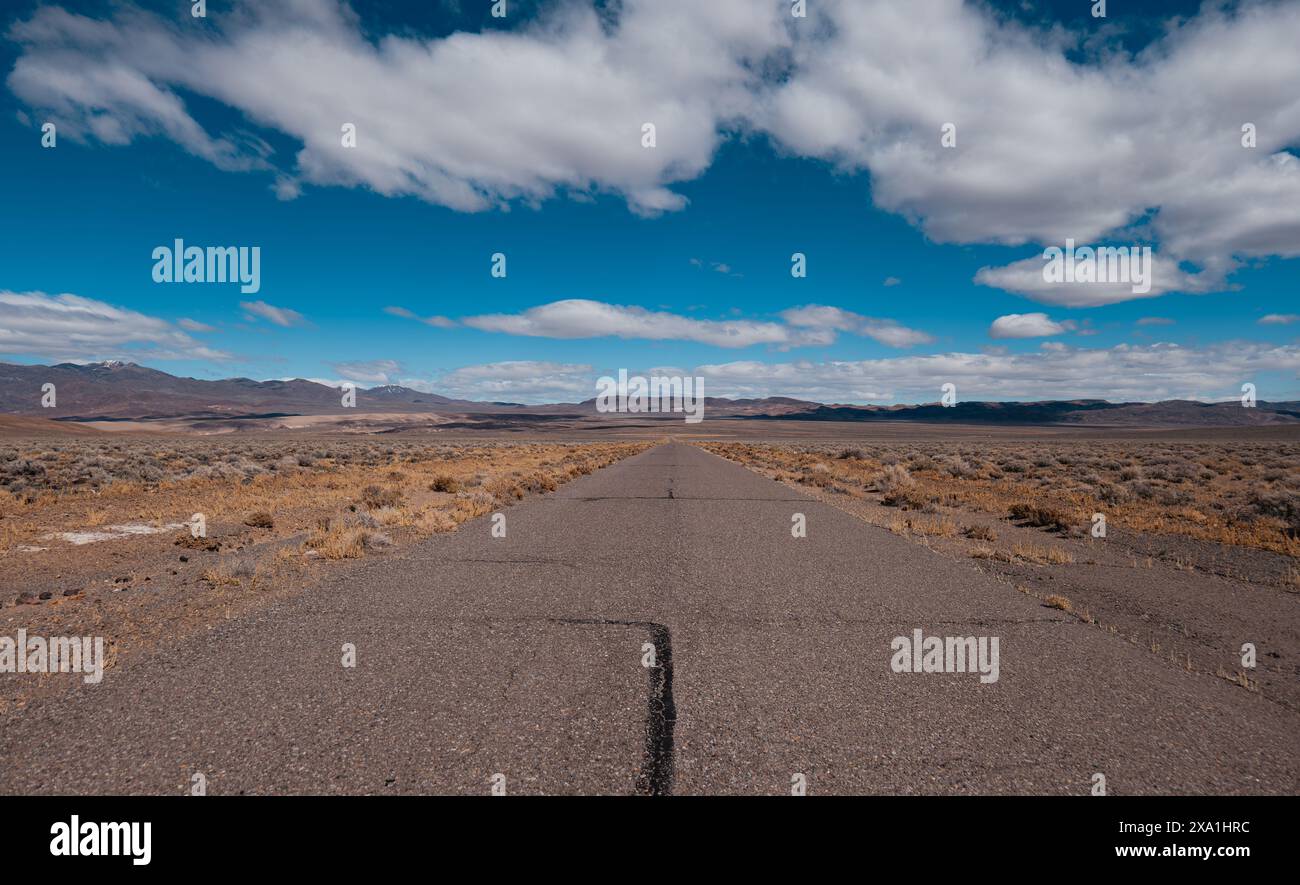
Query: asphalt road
{"x": 524, "y": 657}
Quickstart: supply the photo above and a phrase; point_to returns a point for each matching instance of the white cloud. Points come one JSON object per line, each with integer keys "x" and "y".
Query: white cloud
{"x": 519, "y": 381}
{"x": 1126, "y": 372}
{"x": 1153, "y": 137}
{"x": 1047, "y": 148}
{"x": 369, "y": 371}
{"x": 1025, "y": 277}
{"x": 1027, "y": 325}
{"x": 465, "y": 121}
{"x": 801, "y": 326}
{"x": 887, "y": 332}
{"x": 281, "y": 316}
{"x": 1279, "y": 319}
{"x": 1155, "y": 321}
{"x": 190, "y": 325}
{"x": 580, "y": 318}
{"x": 70, "y": 327}
{"x": 438, "y": 322}
{"x": 286, "y": 188}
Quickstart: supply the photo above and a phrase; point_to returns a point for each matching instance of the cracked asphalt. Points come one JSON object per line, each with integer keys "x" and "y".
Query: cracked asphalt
{"x": 524, "y": 657}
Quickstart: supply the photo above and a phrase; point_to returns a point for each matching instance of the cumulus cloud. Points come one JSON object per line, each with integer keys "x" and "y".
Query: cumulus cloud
{"x": 887, "y": 332}
{"x": 466, "y": 121}
{"x": 1048, "y": 148}
{"x": 281, "y": 316}
{"x": 1027, "y": 325}
{"x": 581, "y": 318}
{"x": 1128, "y": 373}
{"x": 1125, "y": 373}
{"x": 1279, "y": 319}
{"x": 1025, "y": 277}
{"x": 801, "y": 326}
{"x": 70, "y": 327}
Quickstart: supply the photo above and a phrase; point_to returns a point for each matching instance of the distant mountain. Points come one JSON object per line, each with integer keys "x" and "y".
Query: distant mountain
{"x": 121, "y": 391}
{"x": 118, "y": 390}
{"x": 1169, "y": 413}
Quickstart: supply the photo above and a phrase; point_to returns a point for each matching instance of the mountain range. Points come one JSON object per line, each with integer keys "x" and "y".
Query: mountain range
{"x": 122, "y": 391}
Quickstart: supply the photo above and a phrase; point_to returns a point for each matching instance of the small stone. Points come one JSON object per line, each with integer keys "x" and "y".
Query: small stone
{"x": 28, "y": 599}
{"x": 47, "y": 595}
{"x": 72, "y": 592}
{"x": 185, "y": 559}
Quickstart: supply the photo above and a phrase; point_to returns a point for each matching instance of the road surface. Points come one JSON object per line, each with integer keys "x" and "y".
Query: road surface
{"x": 520, "y": 661}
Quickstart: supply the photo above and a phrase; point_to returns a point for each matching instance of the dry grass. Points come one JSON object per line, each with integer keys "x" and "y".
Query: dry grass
{"x": 1060, "y": 602}
{"x": 344, "y": 541}
{"x": 940, "y": 526}
{"x": 285, "y": 488}
{"x": 1245, "y": 494}
{"x": 219, "y": 575}
{"x": 1024, "y": 553}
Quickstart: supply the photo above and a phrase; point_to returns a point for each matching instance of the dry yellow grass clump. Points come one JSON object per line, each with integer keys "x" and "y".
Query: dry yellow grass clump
{"x": 1024, "y": 553}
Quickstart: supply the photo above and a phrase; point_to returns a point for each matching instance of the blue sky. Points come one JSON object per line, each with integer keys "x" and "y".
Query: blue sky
{"x": 664, "y": 256}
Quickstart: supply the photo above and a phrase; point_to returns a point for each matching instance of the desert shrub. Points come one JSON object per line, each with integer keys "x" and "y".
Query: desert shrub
{"x": 444, "y": 483}
{"x": 1041, "y": 517}
{"x": 375, "y": 497}
{"x": 259, "y": 519}
{"x": 959, "y": 468}
{"x": 1281, "y": 504}
{"x": 1174, "y": 497}
{"x": 538, "y": 483}
{"x": 895, "y": 478}
{"x": 504, "y": 488}
{"x": 922, "y": 462}
{"x": 1112, "y": 494}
